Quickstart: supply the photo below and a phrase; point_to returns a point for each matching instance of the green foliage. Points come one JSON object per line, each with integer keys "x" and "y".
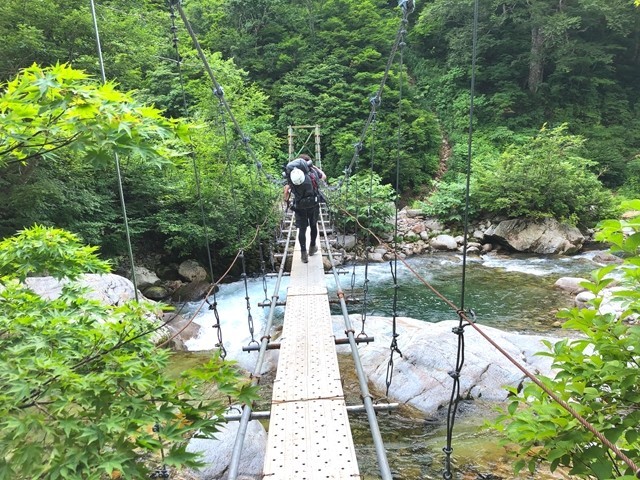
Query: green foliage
{"x": 81, "y": 384}
{"x": 40, "y": 251}
{"x": 46, "y": 110}
{"x": 76, "y": 186}
{"x": 544, "y": 176}
{"x": 364, "y": 198}
{"x": 284, "y": 63}
{"x": 598, "y": 375}
{"x": 448, "y": 202}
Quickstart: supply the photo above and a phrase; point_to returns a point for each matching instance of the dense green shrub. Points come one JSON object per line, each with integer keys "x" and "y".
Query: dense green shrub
{"x": 448, "y": 202}
{"x": 362, "y": 202}
{"x": 546, "y": 176}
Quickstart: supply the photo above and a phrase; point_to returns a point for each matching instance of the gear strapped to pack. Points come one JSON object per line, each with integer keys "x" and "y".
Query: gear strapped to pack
{"x": 303, "y": 184}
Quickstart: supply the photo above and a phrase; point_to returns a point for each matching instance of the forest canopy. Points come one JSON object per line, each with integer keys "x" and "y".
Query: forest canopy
{"x": 547, "y": 64}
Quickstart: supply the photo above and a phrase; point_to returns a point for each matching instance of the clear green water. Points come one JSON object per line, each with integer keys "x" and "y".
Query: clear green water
{"x": 514, "y": 292}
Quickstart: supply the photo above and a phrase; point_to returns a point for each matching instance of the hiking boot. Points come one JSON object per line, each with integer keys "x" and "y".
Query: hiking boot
{"x": 305, "y": 257}
{"x": 312, "y": 249}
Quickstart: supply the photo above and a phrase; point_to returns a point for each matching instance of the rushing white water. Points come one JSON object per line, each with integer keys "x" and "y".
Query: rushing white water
{"x": 507, "y": 291}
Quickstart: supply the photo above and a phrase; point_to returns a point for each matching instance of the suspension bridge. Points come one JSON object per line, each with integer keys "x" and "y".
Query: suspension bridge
{"x": 309, "y": 432}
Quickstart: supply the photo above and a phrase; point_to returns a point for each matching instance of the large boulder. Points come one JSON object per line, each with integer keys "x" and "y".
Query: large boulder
{"x": 421, "y": 376}
{"x": 348, "y": 242}
{"x": 192, "y": 271}
{"x": 156, "y": 292}
{"x": 216, "y": 453}
{"x": 192, "y": 292}
{"x": 109, "y": 288}
{"x": 444, "y": 242}
{"x": 570, "y": 284}
{"x": 145, "y": 277}
{"x": 546, "y": 236}
{"x": 180, "y": 330}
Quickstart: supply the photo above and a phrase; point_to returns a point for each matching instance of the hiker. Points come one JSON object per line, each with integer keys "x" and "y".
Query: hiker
{"x": 302, "y": 180}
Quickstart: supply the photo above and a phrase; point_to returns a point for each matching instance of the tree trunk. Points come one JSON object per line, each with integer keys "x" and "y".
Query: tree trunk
{"x": 536, "y": 61}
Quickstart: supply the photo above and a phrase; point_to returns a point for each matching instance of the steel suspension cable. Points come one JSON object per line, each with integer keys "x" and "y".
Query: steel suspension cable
{"x": 218, "y": 91}
{"x": 393, "y": 347}
{"x": 123, "y": 205}
{"x": 454, "y": 400}
{"x": 213, "y": 306}
{"x": 196, "y": 170}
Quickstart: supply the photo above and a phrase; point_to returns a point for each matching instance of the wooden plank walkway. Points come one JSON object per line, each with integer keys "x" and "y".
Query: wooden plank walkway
{"x": 309, "y": 433}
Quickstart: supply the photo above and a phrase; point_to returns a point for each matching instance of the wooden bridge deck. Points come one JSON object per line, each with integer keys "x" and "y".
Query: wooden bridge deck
{"x": 309, "y": 432}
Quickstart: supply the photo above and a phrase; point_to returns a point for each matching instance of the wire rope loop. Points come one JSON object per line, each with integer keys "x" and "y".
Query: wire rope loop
{"x": 160, "y": 472}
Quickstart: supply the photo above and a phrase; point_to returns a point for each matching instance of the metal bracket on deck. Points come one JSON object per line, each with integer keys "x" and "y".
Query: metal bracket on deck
{"x": 338, "y": 341}
{"x": 386, "y": 407}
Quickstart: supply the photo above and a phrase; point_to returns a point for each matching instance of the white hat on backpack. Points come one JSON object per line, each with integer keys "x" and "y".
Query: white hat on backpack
{"x": 297, "y": 176}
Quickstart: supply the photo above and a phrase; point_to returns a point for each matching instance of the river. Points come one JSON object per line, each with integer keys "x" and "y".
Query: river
{"x": 513, "y": 292}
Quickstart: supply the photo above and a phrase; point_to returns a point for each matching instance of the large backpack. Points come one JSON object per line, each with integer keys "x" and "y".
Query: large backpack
{"x": 305, "y": 195}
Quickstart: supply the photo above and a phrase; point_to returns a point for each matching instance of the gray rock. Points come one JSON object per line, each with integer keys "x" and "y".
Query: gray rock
{"x": 156, "y": 292}
{"x": 181, "y": 329}
{"x": 583, "y": 298}
{"x": 424, "y": 235}
{"x": 546, "y": 236}
{"x": 191, "y": 292}
{"x": 433, "y": 225}
{"x": 192, "y": 271}
{"x": 109, "y": 288}
{"x": 145, "y": 277}
{"x": 478, "y": 235}
{"x": 421, "y": 377}
{"x": 444, "y": 242}
{"x": 570, "y": 284}
{"x": 348, "y": 242}
{"x": 414, "y": 213}
{"x": 375, "y": 257}
{"x": 605, "y": 258}
{"x": 216, "y": 453}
